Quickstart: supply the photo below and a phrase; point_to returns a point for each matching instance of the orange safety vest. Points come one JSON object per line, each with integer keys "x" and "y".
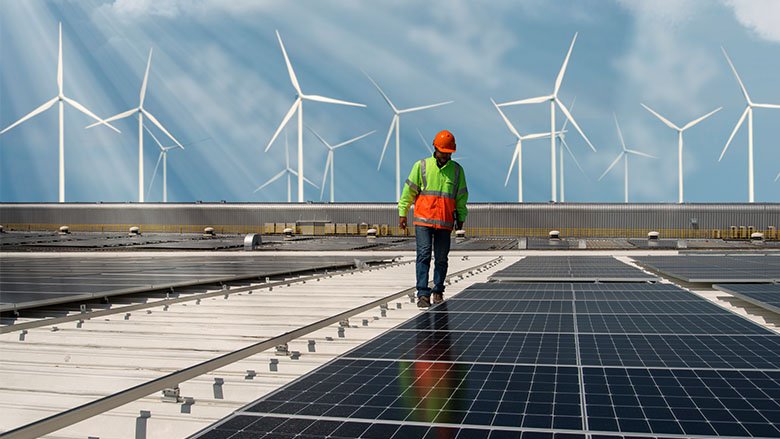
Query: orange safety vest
{"x": 439, "y": 194}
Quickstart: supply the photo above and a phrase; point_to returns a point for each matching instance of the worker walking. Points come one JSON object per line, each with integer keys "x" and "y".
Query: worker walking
{"x": 437, "y": 188}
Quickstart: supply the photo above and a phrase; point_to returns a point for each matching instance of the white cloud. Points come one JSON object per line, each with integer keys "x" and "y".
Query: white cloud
{"x": 760, "y": 16}
{"x": 174, "y": 8}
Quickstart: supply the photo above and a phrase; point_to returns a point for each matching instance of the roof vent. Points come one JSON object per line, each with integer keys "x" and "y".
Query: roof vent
{"x": 251, "y": 241}
{"x": 371, "y": 234}
{"x": 134, "y": 231}
{"x": 209, "y": 232}
{"x": 757, "y": 238}
{"x": 64, "y": 230}
{"x": 554, "y": 234}
{"x": 288, "y": 233}
{"x": 2, "y": 230}
{"x": 652, "y": 236}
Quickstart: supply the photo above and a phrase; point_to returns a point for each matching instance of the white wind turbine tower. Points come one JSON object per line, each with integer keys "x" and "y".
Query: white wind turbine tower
{"x": 141, "y": 111}
{"x": 749, "y": 113}
{"x": 287, "y": 170}
{"x": 624, "y": 153}
{"x": 554, "y": 100}
{"x": 298, "y": 106}
{"x": 561, "y": 136}
{"x": 329, "y": 162}
{"x": 164, "y": 157}
{"x": 62, "y": 99}
{"x": 396, "y": 124}
{"x": 517, "y": 156}
{"x": 680, "y": 143}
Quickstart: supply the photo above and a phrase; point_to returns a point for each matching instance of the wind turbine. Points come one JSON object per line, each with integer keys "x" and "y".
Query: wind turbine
{"x": 517, "y": 156}
{"x": 298, "y": 106}
{"x": 62, "y": 99}
{"x": 287, "y": 170}
{"x": 329, "y": 162}
{"x": 624, "y": 153}
{"x": 561, "y": 136}
{"x": 680, "y": 143}
{"x": 749, "y": 113}
{"x": 395, "y": 124}
{"x": 141, "y": 111}
{"x": 164, "y": 157}
{"x": 554, "y": 100}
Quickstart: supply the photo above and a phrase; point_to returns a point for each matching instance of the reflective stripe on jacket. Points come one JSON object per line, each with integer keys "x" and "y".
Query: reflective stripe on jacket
{"x": 439, "y": 194}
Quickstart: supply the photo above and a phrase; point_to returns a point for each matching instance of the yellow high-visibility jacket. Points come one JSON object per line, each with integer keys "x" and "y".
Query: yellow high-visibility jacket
{"x": 439, "y": 194}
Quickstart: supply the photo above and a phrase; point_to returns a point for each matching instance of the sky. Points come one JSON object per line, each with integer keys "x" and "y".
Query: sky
{"x": 218, "y": 83}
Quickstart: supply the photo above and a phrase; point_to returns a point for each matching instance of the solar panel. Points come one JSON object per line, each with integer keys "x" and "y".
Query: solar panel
{"x": 766, "y": 296}
{"x": 31, "y": 281}
{"x": 571, "y": 268}
{"x": 712, "y": 269}
{"x": 650, "y": 244}
{"x": 499, "y": 360}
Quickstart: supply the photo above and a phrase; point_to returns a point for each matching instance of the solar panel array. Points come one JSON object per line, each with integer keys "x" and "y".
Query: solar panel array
{"x": 570, "y": 360}
{"x": 571, "y": 268}
{"x": 27, "y": 282}
{"x": 712, "y": 269}
{"x": 766, "y": 296}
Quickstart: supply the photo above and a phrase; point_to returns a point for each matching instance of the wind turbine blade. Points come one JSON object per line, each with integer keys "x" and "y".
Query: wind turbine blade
{"x": 325, "y": 174}
{"x": 273, "y": 179}
{"x": 84, "y": 110}
{"x": 559, "y": 79}
{"x": 146, "y": 79}
{"x": 512, "y": 165}
{"x": 33, "y": 113}
{"x": 331, "y": 100}
{"x": 159, "y": 125}
{"x": 506, "y": 120}
{"x": 663, "y": 119}
{"x": 571, "y": 107}
{"x": 387, "y": 140}
{"x": 643, "y": 154}
{"x": 778, "y": 176}
{"x": 310, "y": 182}
{"x": 425, "y": 143}
{"x": 573, "y": 157}
{"x": 536, "y": 100}
{"x": 290, "y": 70}
{"x": 154, "y": 173}
{"x": 766, "y": 105}
{"x": 620, "y": 156}
{"x": 424, "y": 107}
{"x": 319, "y": 137}
{"x": 354, "y": 139}
{"x": 733, "y": 133}
{"x": 574, "y": 122}
{"x": 286, "y": 119}
{"x": 115, "y": 117}
{"x": 536, "y": 136}
{"x": 162, "y": 148}
{"x": 620, "y": 133}
{"x": 694, "y": 122}
{"x": 59, "y": 62}
{"x": 733, "y": 69}
{"x": 384, "y": 96}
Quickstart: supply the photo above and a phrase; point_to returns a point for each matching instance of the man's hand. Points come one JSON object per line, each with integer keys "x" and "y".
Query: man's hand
{"x": 402, "y": 222}
{"x": 458, "y": 225}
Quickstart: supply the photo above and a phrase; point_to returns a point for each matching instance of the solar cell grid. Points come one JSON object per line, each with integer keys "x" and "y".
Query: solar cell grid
{"x": 705, "y": 324}
{"x": 452, "y": 393}
{"x": 571, "y": 268}
{"x": 493, "y": 322}
{"x": 766, "y": 296}
{"x": 497, "y": 306}
{"x": 647, "y": 307}
{"x": 711, "y": 269}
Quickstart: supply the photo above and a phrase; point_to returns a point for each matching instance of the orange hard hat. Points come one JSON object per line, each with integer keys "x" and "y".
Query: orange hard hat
{"x": 444, "y": 142}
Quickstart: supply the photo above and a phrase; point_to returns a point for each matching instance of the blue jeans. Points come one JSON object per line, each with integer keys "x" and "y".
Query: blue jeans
{"x": 439, "y": 240}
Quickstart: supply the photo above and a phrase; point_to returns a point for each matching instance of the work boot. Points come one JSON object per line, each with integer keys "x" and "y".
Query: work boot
{"x": 423, "y": 302}
{"x": 438, "y": 298}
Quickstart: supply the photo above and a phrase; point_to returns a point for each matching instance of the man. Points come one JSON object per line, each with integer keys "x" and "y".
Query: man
{"x": 437, "y": 187}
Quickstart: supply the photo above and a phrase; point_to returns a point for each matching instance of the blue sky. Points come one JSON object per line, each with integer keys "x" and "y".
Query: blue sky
{"x": 218, "y": 74}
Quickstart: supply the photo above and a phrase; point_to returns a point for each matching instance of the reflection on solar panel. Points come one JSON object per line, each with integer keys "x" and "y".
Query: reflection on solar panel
{"x": 711, "y": 269}
{"x": 571, "y": 268}
{"x": 31, "y": 281}
{"x": 498, "y": 361}
{"x": 766, "y": 296}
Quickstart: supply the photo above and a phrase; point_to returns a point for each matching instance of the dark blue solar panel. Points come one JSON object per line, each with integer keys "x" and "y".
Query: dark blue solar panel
{"x": 575, "y": 268}
{"x": 764, "y": 295}
{"x": 705, "y": 324}
{"x": 711, "y": 269}
{"x": 492, "y": 322}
